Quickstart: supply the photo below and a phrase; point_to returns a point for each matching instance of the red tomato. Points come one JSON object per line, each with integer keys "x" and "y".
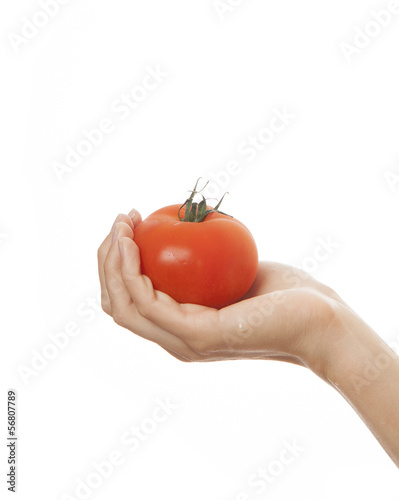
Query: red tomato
{"x": 213, "y": 262}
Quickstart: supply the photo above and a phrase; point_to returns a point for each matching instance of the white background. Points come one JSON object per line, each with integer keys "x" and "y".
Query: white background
{"x": 324, "y": 176}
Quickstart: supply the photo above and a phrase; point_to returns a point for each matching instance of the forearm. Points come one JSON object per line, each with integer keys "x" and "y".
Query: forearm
{"x": 365, "y": 370}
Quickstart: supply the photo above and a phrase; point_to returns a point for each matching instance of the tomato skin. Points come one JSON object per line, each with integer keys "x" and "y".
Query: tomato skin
{"x": 212, "y": 263}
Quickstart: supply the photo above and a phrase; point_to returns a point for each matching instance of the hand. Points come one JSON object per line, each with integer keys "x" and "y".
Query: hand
{"x": 285, "y": 314}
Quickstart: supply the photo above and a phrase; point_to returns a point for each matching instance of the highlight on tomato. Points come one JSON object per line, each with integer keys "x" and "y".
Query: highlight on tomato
{"x": 197, "y": 254}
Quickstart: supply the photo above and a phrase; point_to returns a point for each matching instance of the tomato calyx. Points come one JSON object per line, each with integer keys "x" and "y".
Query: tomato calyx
{"x": 197, "y": 212}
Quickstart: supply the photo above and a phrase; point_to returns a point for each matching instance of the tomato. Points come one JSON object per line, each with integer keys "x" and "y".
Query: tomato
{"x": 212, "y": 262}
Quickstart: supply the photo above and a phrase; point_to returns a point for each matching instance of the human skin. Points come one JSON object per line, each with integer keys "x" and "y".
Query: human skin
{"x": 286, "y": 315}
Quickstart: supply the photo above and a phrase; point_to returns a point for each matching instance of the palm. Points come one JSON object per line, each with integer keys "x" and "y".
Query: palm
{"x": 282, "y": 303}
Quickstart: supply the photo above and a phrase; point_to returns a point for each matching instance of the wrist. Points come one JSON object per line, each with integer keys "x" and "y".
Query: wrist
{"x": 354, "y": 355}
{"x": 365, "y": 371}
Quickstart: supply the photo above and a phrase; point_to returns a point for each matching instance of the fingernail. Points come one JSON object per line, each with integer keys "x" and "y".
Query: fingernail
{"x": 116, "y": 221}
{"x": 132, "y": 213}
{"x": 120, "y": 244}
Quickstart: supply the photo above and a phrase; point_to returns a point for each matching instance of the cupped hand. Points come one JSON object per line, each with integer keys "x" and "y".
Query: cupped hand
{"x": 286, "y": 314}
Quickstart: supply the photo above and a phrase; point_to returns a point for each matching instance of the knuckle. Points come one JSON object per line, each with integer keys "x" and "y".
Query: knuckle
{"x": 119, "y": 318}
{"x": 331, "y": 293}
{"x": 143, "y": 309}
{"x": 202, "y": 347}
{"x": 119, "y": 314}
{"x": 105, "y": 305}
{"x": 145, "y": 306}
{"x": 115, "y": 284}
{"x": 324, "y": 305}
{"x": 330, "y": 308}
{"x": 126, "y": 275}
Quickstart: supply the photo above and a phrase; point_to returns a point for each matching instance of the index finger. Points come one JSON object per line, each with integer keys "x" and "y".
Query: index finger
{"x": 133, "y": 219}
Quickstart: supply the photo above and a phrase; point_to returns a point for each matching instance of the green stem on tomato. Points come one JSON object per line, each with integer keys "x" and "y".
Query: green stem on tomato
{"x": 197, "y": 212}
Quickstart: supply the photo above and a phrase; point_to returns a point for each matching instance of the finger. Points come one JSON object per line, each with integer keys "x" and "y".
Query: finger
{"x": 135, "y": 217}
{"x": 119, "y": 298}
{"x": 154, "y": 305}
{"x": 201, "y": 328}
{"x": 103, "y": 252}
{"x": 273, "y": 276}
{"x": 124, "y": 310}
{"x": 275, "y": 323}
